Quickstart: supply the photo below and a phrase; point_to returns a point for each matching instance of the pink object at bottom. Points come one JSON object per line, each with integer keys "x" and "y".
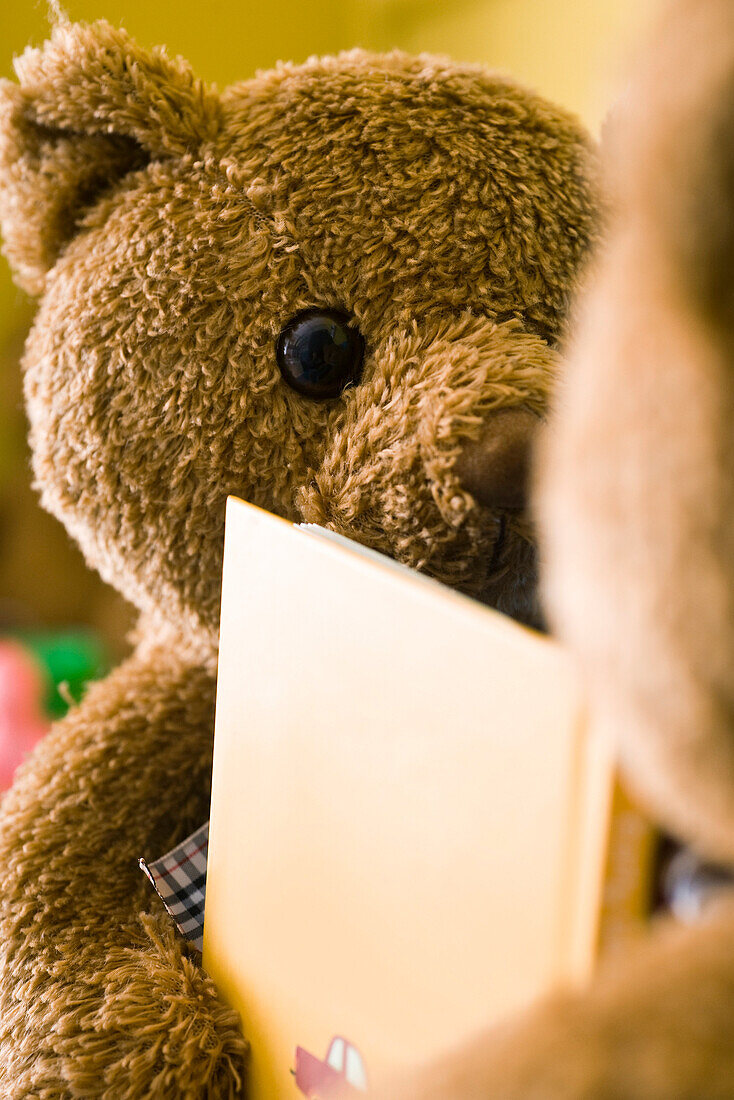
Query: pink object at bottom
{"x": 22, "y": 722}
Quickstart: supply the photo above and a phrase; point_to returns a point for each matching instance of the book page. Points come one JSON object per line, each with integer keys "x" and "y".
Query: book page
{"x": 402, "y": 846}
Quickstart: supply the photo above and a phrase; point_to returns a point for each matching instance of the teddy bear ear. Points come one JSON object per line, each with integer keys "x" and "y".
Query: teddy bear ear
{"x": 89, "y": 107}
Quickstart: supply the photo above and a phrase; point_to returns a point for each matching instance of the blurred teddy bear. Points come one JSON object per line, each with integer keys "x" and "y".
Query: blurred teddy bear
{"x": 636, "y": 502}
{"x": 335, "y": 290}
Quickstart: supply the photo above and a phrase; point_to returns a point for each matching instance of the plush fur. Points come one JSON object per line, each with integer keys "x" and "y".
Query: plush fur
{"x": 636, "y": 498}
{"x": 170, "y": 233}
{"x": 43, "y": 579}
{"x": 640, "y": 534}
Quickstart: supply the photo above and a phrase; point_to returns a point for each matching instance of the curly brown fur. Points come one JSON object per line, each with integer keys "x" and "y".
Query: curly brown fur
{"x": 171, "y": 232}
{"x": 96, "y": 997}
{"x": 43, "y": 578}
{"x": 636, "y": 499}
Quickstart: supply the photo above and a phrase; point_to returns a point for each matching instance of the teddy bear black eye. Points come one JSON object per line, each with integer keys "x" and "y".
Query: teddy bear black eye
{"x": 319, "y": 352}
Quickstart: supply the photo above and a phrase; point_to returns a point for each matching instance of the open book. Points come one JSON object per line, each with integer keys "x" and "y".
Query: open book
{"x": 409, "y": 822}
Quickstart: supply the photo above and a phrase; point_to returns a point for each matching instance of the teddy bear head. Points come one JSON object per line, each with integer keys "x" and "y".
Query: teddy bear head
{"x": 334, "y": 290}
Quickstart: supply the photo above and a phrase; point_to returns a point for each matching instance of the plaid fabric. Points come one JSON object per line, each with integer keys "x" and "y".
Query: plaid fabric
{"x": 179, "y": 879}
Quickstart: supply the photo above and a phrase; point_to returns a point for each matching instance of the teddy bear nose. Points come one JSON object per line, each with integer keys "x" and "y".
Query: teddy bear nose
{"x": 495, "y": 467}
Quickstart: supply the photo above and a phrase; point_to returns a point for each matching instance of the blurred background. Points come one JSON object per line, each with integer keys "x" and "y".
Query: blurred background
{"x": 58, "y": 624}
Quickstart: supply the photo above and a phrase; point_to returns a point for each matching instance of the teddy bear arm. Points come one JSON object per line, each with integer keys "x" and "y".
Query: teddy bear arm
{"x": 138, "y": 1017}
{"x": 656, "y": 1025}
{"x": 99, "y": 995}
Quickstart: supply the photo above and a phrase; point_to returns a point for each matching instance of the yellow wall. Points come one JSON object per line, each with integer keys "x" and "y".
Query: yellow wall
{"x": 573, "y": 51}
{"x": 567, "y": 49}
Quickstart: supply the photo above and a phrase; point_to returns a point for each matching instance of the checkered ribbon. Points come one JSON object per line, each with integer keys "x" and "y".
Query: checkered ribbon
{"x": 179, "y": 879}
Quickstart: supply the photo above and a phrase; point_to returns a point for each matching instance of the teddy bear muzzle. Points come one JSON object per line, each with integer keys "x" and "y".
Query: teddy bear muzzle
{"x": 428, "y": 459}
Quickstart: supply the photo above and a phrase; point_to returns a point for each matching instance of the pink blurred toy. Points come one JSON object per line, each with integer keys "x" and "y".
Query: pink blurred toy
{"x": 22, "y": 721}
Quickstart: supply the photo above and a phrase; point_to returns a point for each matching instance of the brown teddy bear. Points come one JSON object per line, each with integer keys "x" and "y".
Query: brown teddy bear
{"x": 636, "y": 502}
{"x": 335, "y": 290}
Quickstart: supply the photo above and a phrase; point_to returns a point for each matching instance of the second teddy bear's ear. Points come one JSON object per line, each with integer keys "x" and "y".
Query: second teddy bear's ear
{"x": 89, "y": 107}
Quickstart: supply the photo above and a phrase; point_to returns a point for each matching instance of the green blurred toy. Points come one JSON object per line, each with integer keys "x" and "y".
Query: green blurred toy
{"x": 41, "y": 676}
